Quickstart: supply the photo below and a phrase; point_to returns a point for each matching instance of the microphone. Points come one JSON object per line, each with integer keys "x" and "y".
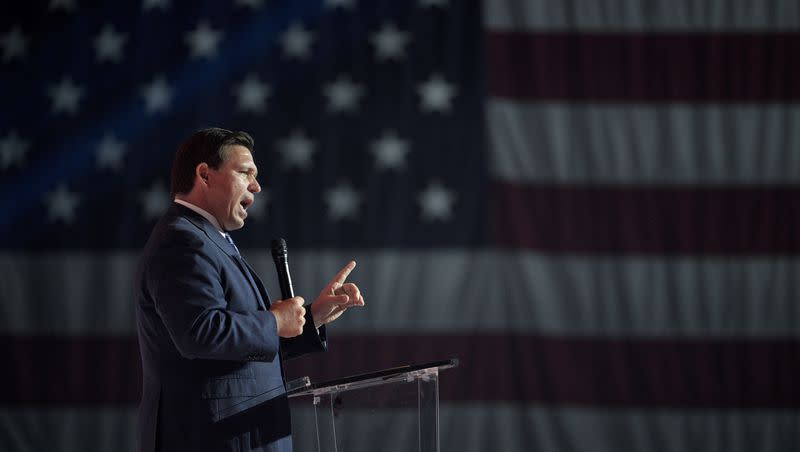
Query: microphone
{"x": 282, "y": 266}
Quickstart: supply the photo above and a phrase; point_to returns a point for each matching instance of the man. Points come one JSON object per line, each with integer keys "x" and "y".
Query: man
{"x": 211, "y": 340}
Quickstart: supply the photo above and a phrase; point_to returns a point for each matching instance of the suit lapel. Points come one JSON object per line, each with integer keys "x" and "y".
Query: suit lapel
{"x": 252, "y": 278}
{"x": 216, "y": 237}
{"x": 259, "y": 285}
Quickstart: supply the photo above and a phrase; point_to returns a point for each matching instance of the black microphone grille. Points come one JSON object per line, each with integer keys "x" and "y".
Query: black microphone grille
{"x": 278, "y": 247}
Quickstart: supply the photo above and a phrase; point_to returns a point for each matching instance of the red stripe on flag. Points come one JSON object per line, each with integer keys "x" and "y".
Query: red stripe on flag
{"x": 643, "y": 67}
{"x": 591, "y": 371}
{"x": 740, "y": 220}
{"x": 68, "y": 370}
{"x": 747, "y": 374}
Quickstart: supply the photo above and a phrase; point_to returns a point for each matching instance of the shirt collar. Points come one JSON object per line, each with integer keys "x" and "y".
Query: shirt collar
{"x": 202, "y": 212}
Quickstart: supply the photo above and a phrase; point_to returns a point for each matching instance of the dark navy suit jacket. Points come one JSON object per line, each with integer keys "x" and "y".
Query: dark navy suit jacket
{"x": 211, "y": 356}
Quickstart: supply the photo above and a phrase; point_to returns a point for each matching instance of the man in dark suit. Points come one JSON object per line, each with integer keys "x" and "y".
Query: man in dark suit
{"x": 210, "y": 339}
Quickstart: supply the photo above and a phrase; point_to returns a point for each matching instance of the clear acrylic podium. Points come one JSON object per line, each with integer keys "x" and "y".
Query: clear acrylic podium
{"x": 394, "y": 409}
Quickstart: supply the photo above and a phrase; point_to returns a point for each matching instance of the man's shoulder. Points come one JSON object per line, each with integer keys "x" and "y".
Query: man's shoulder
{"x": 175, "y": 243}
{"x": 176, "y": 231}
{"x": 177, "y": 246}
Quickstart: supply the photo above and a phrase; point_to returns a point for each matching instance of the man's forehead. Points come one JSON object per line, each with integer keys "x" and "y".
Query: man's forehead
{"x": 239, "y": 154}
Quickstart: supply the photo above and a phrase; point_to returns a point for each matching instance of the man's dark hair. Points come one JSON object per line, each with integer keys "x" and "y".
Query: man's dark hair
{"x": 207, "y": 145}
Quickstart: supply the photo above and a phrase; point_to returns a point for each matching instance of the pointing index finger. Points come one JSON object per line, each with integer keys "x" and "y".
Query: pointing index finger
{"x": 343, "y": 273}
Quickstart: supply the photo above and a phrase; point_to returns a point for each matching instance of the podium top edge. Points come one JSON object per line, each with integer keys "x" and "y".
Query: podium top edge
{"x": 379, "y": 374}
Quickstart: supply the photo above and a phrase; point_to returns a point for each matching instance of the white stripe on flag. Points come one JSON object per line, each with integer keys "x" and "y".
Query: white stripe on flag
{"x": 658, "y": 144}
{"x": 635, "y": 15}
{"x": 450, "y": 291}
{"x": 74, "y": 293}
{"x": 67, "y": 429}
{"x": 558, "y": 429}
{"x": 463, "y": 427}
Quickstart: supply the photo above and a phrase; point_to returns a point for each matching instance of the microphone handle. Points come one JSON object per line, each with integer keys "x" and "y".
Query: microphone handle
{"x": 284, "y": 279}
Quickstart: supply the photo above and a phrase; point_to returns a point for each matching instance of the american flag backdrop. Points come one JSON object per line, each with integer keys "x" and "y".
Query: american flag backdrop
{"x": 592, "y": 204}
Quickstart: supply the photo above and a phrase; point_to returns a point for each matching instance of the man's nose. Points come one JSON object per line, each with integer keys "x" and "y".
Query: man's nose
{"x": 254, "y": 187}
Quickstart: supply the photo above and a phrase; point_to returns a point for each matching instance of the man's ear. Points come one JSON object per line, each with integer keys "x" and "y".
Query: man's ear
{"x": 202, "y": 171}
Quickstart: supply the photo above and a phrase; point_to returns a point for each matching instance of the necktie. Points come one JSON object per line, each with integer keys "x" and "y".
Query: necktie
{"x": 230, "y": 240}
{"x": 248, "y": 272}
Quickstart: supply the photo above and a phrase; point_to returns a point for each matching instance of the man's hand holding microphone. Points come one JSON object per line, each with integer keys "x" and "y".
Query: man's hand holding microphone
{"x": 334, "y": 299}
{"x": 290, "y": 316}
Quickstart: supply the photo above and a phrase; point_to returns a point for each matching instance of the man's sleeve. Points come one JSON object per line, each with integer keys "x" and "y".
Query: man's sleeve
{"x": 312, "y": 340}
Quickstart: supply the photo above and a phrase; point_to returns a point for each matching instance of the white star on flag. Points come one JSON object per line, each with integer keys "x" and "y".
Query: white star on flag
{"x": 343, "y": 95}
{"x": 343, "y": 202}
{"x": 61, "y": 204}
{"x": 296, "y": 41}
{"x": 65, "y": 96}
{"x": 252, "y": 94}
{"x": 203, "y": 41}
{"x": 12, "y": 150}
{"x": 252, "y": 4}
{"x": 157, "y": 95}
{"x": 432, "y": 3}
{"x": 389, "y": 43}
{"x": 66, "y": 5}
{"x": 160, "y": 4}
{"x": 436, "y": 94}
{"x": 344, "y": 4}
{"x": 108, "y": 44}
{"x": 436, "y": 202}
{"x": 390, "y": 151}
{"x": 155, "y": 201}
{"x": 296, "y": 151}
{"x": 14, "y": 43}
{"x": 110, "y": 152}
